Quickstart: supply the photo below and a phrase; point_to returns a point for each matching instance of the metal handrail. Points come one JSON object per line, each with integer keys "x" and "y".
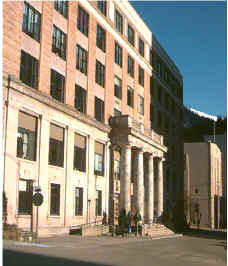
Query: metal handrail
{"x": 86, "y": 224}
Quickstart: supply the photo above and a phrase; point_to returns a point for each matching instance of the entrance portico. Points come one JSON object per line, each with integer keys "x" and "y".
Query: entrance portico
{"x": 141, "y": 151}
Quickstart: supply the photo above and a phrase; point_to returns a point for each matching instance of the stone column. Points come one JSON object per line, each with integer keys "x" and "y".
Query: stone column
{"x": 160, "y": 186}
{"x": 125, "y": 178}
{"x": 150, "y": 189}
{"x": 139, "y": 183}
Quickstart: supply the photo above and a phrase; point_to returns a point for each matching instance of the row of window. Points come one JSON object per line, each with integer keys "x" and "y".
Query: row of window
{"x": 83, "y": 23}
{"x": 31, "y": 26}
{"x": 26, "y": 193}
{"x": 27, "y": 143}
{"x": 29, "y": 75}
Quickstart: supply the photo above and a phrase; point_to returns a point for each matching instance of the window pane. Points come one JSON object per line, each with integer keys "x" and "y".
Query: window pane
{"x": 55, "y": 200}
{"x": 56, "y": 146}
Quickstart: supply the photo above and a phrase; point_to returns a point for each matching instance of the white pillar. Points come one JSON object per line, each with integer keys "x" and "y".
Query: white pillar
{"x": 125, "y": 178}
{"x": 150, "y": 189}
{"x": 160, "y": 186}
{"x": 139, "y": 183}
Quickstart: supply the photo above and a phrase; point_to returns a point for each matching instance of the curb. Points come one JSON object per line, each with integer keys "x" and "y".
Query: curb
{"x": 167, "y": 236}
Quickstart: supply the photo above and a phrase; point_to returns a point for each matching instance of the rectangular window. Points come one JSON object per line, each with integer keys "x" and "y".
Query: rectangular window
{"x": 118, "y": 54}
{"x": 159, "y": 69}
{"x": 61, "y": 7}
{"x": 55, "y": 200}
{"x": 83, "y": 21}
{"x": 80, "y": 99}
{"x": 57, "y": 86}
{"x": 130, "y": 66}
{"x": 102, "y": 6}
{"x": 117, "y": 112}
{"x": 99, "y": 109}
{"x": 26, "y": 136}
{"x": 79, "y": 152}
{"x": 31, "y": 22}
{"x": 99, "y": 203}
{"x": 151, "y": 114}
{"x": 81, "y": 59}
{"x": 99, "y": 159}
{"x": 118, "y": 87}
{"x": 141, "y": 76}
{"x": 160, "y": 94}
{"x": 119, "y": 21}
{"x": 130, "y": 96}
{"x": 56, "y": 146}
{"x": 159, "y": 119}
{"x": 101, "y": 38}
{"x": 116, "y": 165}
{"x": 78, "y": 201}
{"x": 59, "y": 42}
{"x": 131, "y": 35}
{"x": 100, "y": 74}
{"x": 141, "y": 47}
{"x": 29, "y": 70}
{"x": 25, "y": 197}
{"x": 141, "y": 105}
{"x": 167, "y": 101}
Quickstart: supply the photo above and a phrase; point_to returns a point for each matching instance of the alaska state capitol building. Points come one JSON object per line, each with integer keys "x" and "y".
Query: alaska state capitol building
{"x": 92, "y": 114}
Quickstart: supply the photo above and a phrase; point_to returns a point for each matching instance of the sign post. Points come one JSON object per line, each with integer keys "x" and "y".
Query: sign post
{"x": 37, "y": 200}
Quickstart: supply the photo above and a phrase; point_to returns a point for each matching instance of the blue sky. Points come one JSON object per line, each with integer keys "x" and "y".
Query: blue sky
{"x": 194, "y": 35}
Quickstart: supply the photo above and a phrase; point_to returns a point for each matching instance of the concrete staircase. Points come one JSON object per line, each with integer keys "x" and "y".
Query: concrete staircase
{"x": 157, "y": 229}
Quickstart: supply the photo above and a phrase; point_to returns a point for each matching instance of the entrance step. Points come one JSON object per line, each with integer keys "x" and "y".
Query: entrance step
{"x": 157, "y": 230}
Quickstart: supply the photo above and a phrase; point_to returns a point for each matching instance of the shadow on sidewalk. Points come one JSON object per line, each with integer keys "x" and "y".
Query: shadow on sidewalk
{"x": 13, "y": 258}
{"x": 209, "y": 234}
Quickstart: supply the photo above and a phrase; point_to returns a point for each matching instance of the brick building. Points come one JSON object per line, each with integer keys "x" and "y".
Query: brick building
{"x": 88, "y": 93}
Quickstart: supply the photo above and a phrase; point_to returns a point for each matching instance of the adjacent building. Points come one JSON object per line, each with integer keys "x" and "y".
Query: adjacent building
{"x": 88, "y": 93}
{"x": 203, "y": 184}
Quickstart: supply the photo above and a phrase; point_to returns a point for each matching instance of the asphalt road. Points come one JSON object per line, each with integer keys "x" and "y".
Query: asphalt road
{"x": 94, "y": 251}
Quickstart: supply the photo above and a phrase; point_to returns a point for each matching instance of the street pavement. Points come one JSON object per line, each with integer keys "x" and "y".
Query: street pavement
{"x": 72, "y": 250}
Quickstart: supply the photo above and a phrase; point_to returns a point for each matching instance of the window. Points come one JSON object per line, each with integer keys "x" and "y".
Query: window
{"x": 79, "y": 152}
{"x": 141, "y": 76}
{"x": 159, "y": 119}
{"x": 56, "y": 146}
{"x": 57, "y": 86}
{"x": 80, "y": 99}
{"x": 99, "y": 203}
{"x": 29, "y": 70}
{"x": 25, "y": 197}
{"x": 99, "y": 109}
{"x": 100, "y": 74}
{"x": 26, "y": 136}
{"x": 59, "y": 42}
{"x": 81, "y": 59}
{"x": 83, "y": 21}
{"x": 61, "y": 7}
{"x": 159, "y": 69}
{"x": 116, "y": 165}
{"x": 117, "y": 112}
{"x": 99, "y": 159}
{"x": 78, "y": 201}
{"x": 160, "y": 94}
{"x": 55, "y": 200}
{"x": 151, "y": 113}
{"x": 31, "y": 22}
{"x": 141, "y": 105}
{"x": 130, "y": 66}
{"x": 101, "y": 38}
{"x": 141, "y": 47}
{"x": 118, "y": 21}
{"x": 118, "y": 87}
{"x": 130, "y": 96}
{"x": 118, "y": 54}
{"x": 131, "y": 35}
{"x": 101, "y": 5}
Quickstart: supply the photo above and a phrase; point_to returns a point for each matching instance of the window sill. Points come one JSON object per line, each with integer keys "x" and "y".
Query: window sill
{"x": 79, "y": 172}
{"x": 27, "y": 216}
{"x": 54, "y": 216}
{"x": 27, "y": 161}
{"x": 56, "y": 167}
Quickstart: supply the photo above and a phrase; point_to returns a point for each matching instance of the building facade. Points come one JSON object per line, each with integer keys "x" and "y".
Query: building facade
{"x": 203, "y": 184}
{"x": 77, "y": 113}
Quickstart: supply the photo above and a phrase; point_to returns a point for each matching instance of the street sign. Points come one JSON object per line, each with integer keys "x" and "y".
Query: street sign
{"x": 37, "y": 199}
